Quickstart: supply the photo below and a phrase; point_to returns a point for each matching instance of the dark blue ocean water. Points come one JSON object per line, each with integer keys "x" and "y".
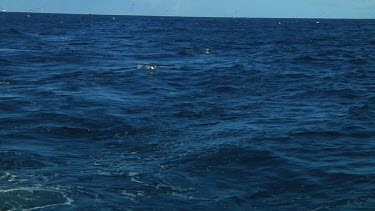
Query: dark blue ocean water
{"x": 117, "y": 113}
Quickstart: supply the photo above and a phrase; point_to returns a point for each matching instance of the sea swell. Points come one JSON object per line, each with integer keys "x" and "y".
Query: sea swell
{"x": 186, "y": 113}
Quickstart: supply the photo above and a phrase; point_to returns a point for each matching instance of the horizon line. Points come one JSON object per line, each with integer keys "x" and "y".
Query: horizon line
{"x": 175, "y": 16}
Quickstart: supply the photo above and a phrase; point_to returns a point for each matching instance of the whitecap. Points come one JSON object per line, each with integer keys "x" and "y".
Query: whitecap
{"x": 28, "y": 198}
{"x": 8, "y": 176}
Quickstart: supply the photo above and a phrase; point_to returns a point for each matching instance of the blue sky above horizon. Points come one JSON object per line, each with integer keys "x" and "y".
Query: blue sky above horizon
{"x": 199, "y": 8}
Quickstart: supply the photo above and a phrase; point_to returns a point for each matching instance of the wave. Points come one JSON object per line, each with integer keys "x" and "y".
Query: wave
{"x": 137, "y": 113}
{"x": 327, "y": 134}
{"x": 12, "y": 160}
{"x": 361, "y": 112}
{"x": 358, "y": 61}
{"x": 29, "y": 198}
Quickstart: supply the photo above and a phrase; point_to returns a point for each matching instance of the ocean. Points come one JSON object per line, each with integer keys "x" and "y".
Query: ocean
{"x": 171, "y": 113}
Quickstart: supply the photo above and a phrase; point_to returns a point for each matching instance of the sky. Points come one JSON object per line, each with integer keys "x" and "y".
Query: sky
{"x": 202, "y": 8}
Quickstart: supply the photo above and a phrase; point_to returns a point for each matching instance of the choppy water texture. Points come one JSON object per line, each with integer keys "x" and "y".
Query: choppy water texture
{"x": 101, "y": 113}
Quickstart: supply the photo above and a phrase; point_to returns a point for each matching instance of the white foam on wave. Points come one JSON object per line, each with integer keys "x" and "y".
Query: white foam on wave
{"x": 68, "y": 201}
{"x": 8, "y": 176}
{"x": 128, "y": 195}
